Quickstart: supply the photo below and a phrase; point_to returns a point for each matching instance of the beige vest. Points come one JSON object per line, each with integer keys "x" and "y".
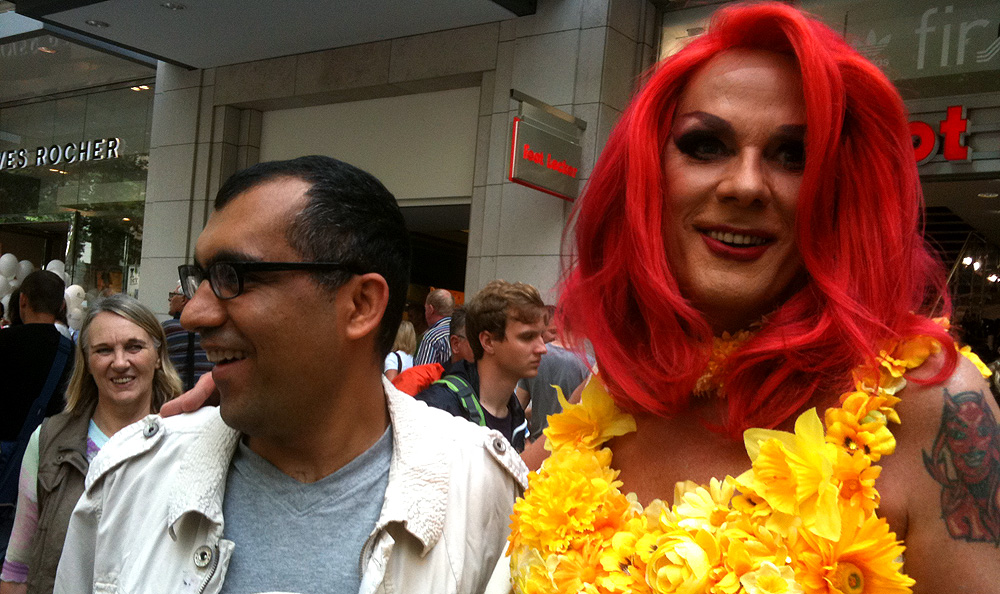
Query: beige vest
{"x": 62, "y": 468}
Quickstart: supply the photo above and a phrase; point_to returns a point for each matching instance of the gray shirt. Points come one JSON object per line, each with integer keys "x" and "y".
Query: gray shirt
{"x": 301, "y": 537}
{"x": 560, "y": 367}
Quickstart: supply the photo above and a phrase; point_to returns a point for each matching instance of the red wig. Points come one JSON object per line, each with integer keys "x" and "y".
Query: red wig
{"x": 858, "y": 228}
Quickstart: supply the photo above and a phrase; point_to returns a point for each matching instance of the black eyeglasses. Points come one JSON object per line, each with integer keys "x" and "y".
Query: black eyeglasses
{"x": 226, "y": 278}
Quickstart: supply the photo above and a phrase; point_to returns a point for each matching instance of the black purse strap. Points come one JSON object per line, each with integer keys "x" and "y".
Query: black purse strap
{"x": 189, "y": 361}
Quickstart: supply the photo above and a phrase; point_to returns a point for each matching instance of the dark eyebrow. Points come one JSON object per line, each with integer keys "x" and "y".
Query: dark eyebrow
{"x": 227, "y": 256}
{"x": 712, "y": 122}
{"x": 792, "y": 131}
{"x": 716, "y": 124}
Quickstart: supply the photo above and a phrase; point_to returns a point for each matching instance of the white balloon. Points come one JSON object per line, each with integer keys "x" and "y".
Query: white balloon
{"x": 6, "y": 301}
{"x": 14, "y": 283}
{"x": 74, "y": 296}
{"x": 56, "y": 266}
{"x": 24, "y": 268}
{"x": 4, "y": 286}
{"x": 75, "y": 318}
{"x": 65, "y": 277}
{"x": 8, "y": 265}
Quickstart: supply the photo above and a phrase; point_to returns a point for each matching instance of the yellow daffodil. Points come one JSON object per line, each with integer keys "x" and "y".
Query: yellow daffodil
{"x": 531, "y": 574}
{"x": 590, "y": 423}
{"x": 801, "y": 520}
{"x": 578, "y": 570}
{"x": 574, "y": 495}
{"x": 859, "y": 425}
{"x": 966, "y": 352}
{"x": 856, "y": 476}
{"x": 793, "y": 472}
{"x": 624, "y": 571}
{"x": 908, "y": 354}
{"x": 703, "y": 508}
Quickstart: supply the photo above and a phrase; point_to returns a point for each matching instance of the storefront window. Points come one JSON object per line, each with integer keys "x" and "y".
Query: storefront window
{"x": 73, "y": 184}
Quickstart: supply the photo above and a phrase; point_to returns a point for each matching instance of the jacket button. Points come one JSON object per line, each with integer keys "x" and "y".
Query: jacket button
{"x": 203, "y": 556}
{"x": 152, "y": 426}
{"x": 500, "y": 445}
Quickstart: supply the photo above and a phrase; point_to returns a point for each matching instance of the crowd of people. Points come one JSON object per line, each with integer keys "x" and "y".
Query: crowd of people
{"x": 748, "y": 384}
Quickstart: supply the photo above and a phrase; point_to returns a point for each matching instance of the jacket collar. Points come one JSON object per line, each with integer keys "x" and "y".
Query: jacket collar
{"x": 201, "y": 479}
{"x": 417, "y": 494}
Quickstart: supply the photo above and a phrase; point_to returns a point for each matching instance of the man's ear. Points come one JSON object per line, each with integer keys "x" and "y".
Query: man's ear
{"x": 22, "y": 302}
{"x": 487, "y": 341}
{"x": 368, "y": 296}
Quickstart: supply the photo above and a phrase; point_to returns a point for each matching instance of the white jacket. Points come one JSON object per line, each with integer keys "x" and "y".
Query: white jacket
{"x": 151, "y": 517}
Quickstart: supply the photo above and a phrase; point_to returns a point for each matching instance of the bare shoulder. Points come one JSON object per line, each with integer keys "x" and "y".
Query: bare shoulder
{"x": 945, "y": 474}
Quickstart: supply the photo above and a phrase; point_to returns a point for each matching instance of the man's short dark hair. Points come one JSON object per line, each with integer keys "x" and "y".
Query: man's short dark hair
{"x": 491, "y": 307}
{"x": 44, "y": 291}
{"x": 350, "y": 218}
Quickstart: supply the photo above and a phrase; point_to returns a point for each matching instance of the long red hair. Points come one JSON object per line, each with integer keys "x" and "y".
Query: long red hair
{"x": 859, "y": 229}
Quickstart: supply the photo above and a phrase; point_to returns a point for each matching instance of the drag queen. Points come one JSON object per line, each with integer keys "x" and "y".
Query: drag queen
{"x": 780, "y": 405}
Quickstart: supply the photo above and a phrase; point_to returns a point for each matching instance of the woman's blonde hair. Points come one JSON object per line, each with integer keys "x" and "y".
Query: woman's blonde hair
{"x": 81, "y": 393}
{"x": 406, "y": 338}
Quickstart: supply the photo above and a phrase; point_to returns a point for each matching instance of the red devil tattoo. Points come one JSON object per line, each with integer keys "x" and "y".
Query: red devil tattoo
{"x": 965, "y": 459}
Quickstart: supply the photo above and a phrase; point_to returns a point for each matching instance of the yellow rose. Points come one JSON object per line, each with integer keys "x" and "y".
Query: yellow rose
{"x": 771, "y": 579}
{"x": 681, "y": 563}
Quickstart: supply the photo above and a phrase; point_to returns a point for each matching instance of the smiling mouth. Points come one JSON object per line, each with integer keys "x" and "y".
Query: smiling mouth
{"x": 119, "y": 381}
{"x": 974, "y": 459}
{"x": 225, "y": 356}
{"x": 737, "y": 240}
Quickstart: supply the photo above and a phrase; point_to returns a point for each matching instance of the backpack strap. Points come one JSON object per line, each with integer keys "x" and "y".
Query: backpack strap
{"x": 466, "y": 397}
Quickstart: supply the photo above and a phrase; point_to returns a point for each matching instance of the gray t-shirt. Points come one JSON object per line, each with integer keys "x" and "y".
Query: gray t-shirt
{"x": 560, "y": 367}
{"x": 301, "y": 537}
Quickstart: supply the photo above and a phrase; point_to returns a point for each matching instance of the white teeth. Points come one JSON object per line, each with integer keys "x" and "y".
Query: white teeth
{"x": 737, "y": 238}
{"x": 121, "y": 380}
{"x": 225, "y": 355}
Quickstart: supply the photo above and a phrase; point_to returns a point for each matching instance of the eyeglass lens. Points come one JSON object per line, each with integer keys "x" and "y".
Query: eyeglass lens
{"x": 191, "y": 277}
{"x": 224, "y": 279}
{"x": 222, "y": 276}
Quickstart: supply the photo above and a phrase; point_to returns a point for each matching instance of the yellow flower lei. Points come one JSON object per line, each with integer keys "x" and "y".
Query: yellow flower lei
{"x": 800, "y": 520}
{"x": 711, "y": 383}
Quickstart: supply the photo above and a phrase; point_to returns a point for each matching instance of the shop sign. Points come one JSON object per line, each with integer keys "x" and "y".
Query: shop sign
{"x": 953, "y": 129}
{"x": 545, "y": 151}
{"x": 57, "y": 154}
{"x": 927, "y": 37}
{"x": 544, "y": 161}
{"x": 956, "y": 135}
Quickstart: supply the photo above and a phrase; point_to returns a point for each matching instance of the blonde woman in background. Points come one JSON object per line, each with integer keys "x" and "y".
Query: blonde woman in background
{"x": 401, "y": 357}
{"x": 121, "y": 374}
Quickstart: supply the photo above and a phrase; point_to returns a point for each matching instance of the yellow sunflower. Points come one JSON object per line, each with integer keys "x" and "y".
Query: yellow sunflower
{"x": 862, "y": 561}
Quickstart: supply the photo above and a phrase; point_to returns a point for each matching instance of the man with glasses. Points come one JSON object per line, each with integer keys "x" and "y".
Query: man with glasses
{"x": 313, "y": 475}
{"x": 414, "y": 380}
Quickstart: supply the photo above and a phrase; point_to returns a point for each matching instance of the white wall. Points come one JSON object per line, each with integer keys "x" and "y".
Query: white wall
{"x": 419, "y": 146}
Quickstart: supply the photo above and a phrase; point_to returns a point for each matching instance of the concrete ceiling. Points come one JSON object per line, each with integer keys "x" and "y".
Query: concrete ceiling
{"x": 210, "y": 33}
